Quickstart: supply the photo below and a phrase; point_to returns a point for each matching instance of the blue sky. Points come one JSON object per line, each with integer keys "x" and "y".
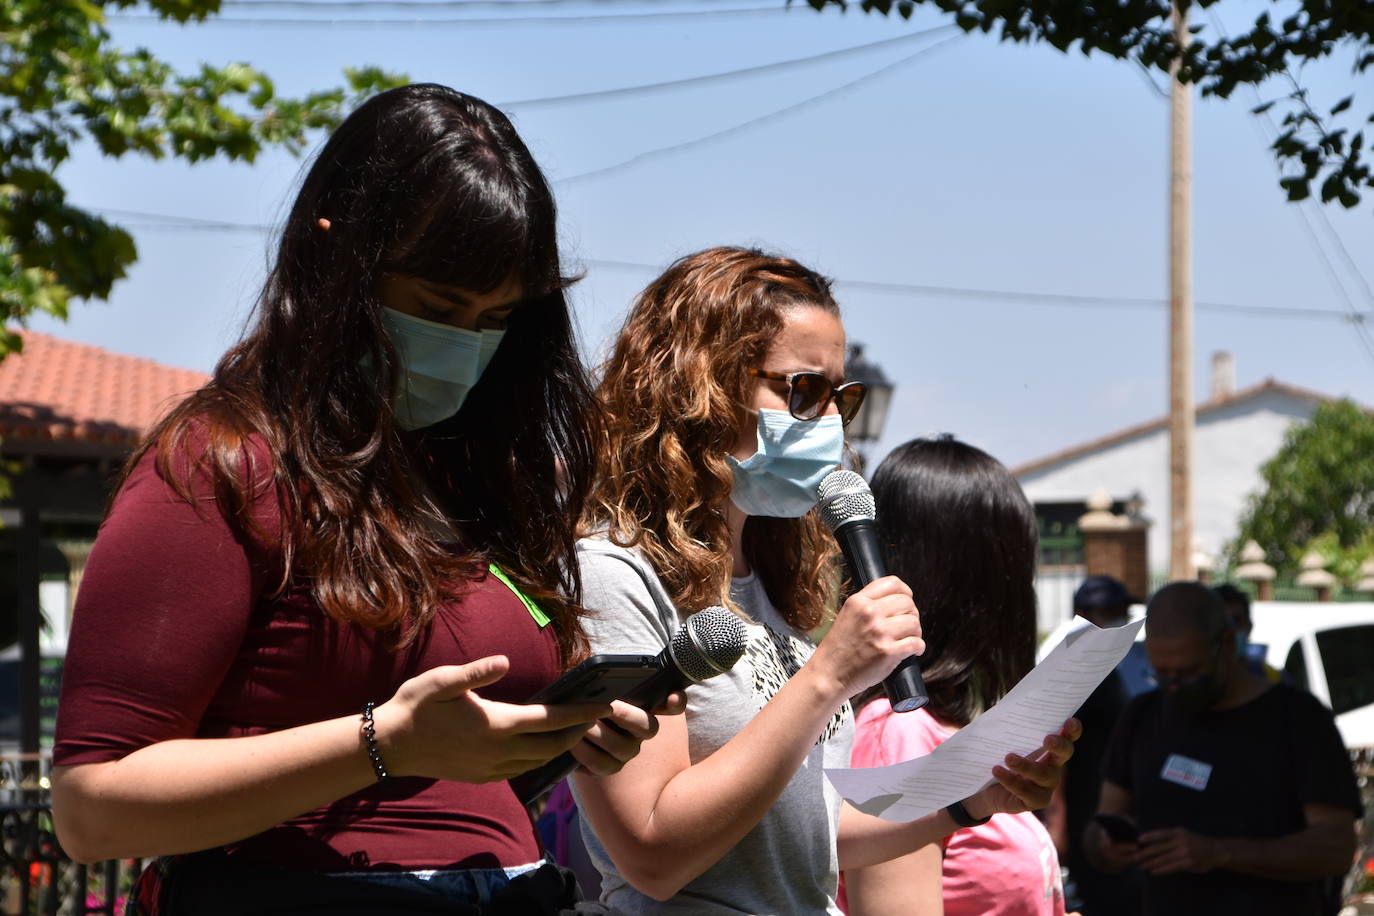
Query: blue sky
{"x": 975, "y": 165}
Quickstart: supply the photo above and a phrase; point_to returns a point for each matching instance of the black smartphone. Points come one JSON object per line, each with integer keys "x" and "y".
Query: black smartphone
{"x": 637, "y": 679}
{"x": 1120, "y": 828}
{"x": 600, "y": 679}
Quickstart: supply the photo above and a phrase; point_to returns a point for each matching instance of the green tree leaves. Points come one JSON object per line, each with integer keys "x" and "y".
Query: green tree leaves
{"x": 62, "y": 80}
{"x": 1318, "y": 491}
{"x": 1315, "y": 153}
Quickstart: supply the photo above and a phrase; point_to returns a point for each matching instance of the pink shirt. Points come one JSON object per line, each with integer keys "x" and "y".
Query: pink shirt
{"x": 1006, "y": 867}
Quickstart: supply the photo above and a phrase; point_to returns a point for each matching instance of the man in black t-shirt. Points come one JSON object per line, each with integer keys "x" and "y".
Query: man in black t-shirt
{"x": 1241, "y": 789}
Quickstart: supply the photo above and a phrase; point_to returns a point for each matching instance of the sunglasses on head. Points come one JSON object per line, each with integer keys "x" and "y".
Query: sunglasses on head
{"x": 810, "y": 393}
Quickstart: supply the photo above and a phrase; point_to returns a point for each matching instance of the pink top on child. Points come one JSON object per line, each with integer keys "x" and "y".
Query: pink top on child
{"x": 1006, "y": 867}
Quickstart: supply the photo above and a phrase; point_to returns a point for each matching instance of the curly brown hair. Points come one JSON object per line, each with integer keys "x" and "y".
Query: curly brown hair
{"x": 674, "y": 394}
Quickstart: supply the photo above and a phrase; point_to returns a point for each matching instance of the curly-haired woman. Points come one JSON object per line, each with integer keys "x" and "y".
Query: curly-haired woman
{"x": 370, "y": 507}
{"x": 725, "y": 405}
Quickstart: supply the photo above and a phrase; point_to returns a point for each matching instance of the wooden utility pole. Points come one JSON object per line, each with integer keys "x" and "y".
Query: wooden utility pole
{"x": 1180, "y": 316}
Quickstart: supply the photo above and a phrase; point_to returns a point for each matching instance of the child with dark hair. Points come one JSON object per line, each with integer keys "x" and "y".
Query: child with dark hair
{"x": 957, "y": 527}
{"x": 330, "y": 577}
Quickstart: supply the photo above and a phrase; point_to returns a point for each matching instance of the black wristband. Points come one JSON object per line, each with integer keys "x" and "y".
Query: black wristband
{"x": 374, "y": 753}
{"x": 959, "y": 814}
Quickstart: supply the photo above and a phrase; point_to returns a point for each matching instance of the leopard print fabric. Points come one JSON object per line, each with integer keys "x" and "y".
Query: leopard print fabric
{"x": 775, "y": 659}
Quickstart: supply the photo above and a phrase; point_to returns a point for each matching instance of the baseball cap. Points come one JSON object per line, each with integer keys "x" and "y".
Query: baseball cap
{"x": 1102, "y": 591}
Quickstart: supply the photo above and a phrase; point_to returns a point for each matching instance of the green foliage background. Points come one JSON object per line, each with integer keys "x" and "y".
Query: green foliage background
{"x": 1321, "y": 147}
{"x": 62, "y": 81}
{"x": 1318, "y": 494}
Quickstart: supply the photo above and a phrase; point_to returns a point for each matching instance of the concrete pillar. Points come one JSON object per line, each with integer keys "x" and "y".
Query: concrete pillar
{"x": 1366, "y": 583}
{"x": 1115, "y": 545}
{"x": 1204, "y": 562}
{"x": 1315, "y": 576}
{"x": 1254, "y": 570}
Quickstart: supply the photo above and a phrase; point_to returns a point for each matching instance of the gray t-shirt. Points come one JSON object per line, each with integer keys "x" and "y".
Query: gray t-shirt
{"x": 786, "y": 865}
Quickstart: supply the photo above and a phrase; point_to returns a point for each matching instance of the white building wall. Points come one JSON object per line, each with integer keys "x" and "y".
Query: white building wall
{"x": 1230, "y": 444}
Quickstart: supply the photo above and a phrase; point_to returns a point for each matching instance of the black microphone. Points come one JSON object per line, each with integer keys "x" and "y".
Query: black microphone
{"x": 847, "y": 508}
{"x": 708, "y": 643}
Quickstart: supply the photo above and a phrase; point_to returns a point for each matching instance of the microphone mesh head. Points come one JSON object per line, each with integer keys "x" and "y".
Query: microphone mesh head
{"x": 709, "y": 643}
{"x": 845, "y": 496}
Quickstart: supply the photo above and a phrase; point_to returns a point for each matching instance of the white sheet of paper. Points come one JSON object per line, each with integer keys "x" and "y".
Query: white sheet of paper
{"x": 1034, "y": 708}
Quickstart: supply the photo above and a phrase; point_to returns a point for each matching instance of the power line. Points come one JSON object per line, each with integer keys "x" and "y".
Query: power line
{"x": 1345, "y": 255}
{"x": 580, "y": 19}
{"x": 1069, "y": 299}
{"x": 140, "y": 219}
{"x": 724, "y": 75}
{"x": 751, "y": 123}
{"x": 703, "y": 79}
{"x": 172, "y": 220}
{"x": 1149, "y": 79}
{"x": 198, "y": 227}
{"x": 1356, "y": 318}
{"x": 1353, "y": 315}
{"x": 348, "y": 5}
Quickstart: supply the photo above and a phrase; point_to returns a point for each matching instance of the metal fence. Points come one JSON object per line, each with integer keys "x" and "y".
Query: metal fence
{"x": 1360, "y": 882}
{"x": 36, "y": 877}
{"x": 1055, "y": 585}
{"x": 1054, "y": 588}
{"x": 1286, "y": 589}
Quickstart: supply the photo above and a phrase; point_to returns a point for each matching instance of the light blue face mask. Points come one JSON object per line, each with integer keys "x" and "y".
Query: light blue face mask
{"x": 780, "y": 479}
{"x": 439, "y": 366}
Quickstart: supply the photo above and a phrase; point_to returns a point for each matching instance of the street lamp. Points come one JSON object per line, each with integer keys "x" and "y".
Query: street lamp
{"x": 867, "y": 425}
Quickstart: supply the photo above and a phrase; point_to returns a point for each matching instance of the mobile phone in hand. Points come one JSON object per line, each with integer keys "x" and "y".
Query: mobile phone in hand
{"x": 1119, "y": 827}
{"x": 600, "y": 679}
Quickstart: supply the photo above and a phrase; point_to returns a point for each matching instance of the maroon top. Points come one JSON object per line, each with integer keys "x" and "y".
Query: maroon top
{"x": 176, "y": 635}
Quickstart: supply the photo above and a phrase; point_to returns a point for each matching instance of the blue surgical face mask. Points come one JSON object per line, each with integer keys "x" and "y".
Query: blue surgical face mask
{"x": 780, "y": 479}
{"x": 439, "y": 366}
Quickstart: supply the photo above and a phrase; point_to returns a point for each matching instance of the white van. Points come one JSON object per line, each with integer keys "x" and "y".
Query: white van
{"x": 1324, "y": 647}
{"x": 1327, "y": 648}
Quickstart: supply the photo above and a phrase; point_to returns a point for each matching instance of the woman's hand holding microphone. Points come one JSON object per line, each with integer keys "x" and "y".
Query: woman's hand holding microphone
{"x": 877, "y": 627}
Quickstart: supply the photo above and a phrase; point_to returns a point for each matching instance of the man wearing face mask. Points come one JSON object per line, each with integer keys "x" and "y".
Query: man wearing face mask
{"x": 1251, "y": 654}
{"x": 1241, "y": 789}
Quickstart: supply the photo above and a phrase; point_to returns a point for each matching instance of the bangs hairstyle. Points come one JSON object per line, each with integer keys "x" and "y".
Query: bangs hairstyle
{"x": 427, "y": 182}
{"x": 674, "y": 395}
{"x": 958, "y": 529}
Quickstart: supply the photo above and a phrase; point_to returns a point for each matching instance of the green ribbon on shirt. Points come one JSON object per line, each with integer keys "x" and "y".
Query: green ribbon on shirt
{"x": 535, "y": 610}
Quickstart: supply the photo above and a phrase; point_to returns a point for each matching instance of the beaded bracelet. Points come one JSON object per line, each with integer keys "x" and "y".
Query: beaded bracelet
{"x": 374, "y": 753}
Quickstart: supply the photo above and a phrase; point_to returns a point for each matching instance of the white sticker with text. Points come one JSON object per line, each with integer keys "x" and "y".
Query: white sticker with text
{"x": 1185, "y": 771}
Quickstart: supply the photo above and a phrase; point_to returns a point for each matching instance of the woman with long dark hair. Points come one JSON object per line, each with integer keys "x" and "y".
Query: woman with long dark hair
{"x": 330, "y": 577}
{"x": 725, "y": 407}
{"x": 958, "y": 528}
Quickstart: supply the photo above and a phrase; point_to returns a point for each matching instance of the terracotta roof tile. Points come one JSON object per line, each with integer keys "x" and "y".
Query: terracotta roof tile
{"x": 63, "y": 391}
